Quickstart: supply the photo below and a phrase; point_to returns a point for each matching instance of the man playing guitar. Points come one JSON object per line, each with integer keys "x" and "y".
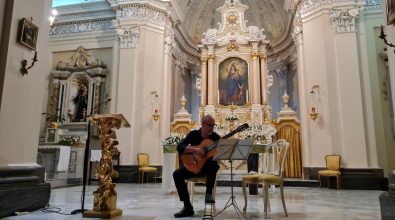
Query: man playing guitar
{"x": 209, "y": 169}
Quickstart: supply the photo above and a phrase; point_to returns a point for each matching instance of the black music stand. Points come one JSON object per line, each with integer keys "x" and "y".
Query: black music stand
{"x": 233, "y": 149}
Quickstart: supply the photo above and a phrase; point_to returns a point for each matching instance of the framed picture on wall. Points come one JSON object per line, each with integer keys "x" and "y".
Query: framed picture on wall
{"x": 233, "y": 82}
{"x": 390, "y": 11}
{"x": 28, "y": 33}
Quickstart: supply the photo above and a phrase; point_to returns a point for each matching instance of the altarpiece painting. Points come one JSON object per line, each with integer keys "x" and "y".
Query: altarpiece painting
{"x": 233, "y": 82}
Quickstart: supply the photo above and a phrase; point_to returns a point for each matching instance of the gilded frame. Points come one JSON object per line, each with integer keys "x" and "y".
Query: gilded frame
{"x": 390, "y": 10}
{"x": 233, "y": 90}
{"x": 28, "y": 33}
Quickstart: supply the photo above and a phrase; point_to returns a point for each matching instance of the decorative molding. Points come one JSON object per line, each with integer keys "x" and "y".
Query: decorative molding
{"x": 233, "y": 28}
{"x": 297, "y": 35}
{"x": 344, "y": 20}
{"x": 139, "y": 13}
{"x": 169, "y": 44}
{"x": 76, "y": 28}
{"x": 80, "y": 61}
{"x": 128, "y": 36}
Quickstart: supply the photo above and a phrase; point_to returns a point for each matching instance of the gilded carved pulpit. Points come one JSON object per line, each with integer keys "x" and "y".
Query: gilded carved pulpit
{"x": 105, "y": 197}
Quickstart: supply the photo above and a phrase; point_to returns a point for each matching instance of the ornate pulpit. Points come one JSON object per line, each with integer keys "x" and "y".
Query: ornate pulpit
{"x": 105, "y": 197}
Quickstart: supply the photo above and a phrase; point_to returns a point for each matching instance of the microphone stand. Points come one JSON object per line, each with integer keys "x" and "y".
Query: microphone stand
{"x": 85, "y": 171}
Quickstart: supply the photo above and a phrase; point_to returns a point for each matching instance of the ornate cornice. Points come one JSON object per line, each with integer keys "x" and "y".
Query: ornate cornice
{"x": 129, "y": 13}
{"x": 78, "y": 28}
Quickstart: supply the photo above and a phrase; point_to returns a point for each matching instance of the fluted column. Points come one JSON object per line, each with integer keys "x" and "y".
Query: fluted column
{"x": 255, "y": 95}
{"x": 263, "y": 59}
{"x": 211, "y": 80}
{"x": 203, "y": 82}
{"x": 297, "y": 36}
{"x": 165, "y": 113}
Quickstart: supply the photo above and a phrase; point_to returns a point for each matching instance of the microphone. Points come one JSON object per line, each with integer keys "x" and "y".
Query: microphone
{"x": 100, "y": 104}
{"x": 103, "y": 102}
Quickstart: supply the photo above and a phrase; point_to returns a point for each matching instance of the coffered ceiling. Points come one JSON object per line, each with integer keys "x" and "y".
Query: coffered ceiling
{"x": 199, "y": 15}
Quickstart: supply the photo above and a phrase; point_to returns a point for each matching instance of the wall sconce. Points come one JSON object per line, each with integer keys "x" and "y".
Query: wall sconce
{"x": 52, "y": 18}
{"x": 313, "y": 102}
{"x": 384, "y": 37}
{"x": 24, "y": 64}
{"x": 155, "y": 105}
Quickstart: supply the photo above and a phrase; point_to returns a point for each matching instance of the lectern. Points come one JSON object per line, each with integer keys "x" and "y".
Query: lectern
{"x": 105, "y": 197}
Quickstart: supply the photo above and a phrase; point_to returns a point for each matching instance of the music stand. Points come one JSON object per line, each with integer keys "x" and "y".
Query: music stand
{"x": 233, "y": 149}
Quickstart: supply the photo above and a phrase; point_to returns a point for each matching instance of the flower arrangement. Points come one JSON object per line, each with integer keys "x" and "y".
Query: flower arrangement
{"x": 232, "y": 117}
{"x": 258, "y": 131}
{"x": 67, "y": 140}
{"x": 173, "y": 139}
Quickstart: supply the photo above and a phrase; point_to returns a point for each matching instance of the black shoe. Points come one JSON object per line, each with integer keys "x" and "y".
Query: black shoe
{"x": 209, "y": 198}
{"x": 185, "y": 212}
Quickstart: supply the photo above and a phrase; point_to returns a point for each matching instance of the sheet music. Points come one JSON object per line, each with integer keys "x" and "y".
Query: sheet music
{"x": 225, "y": 149}
{"x": 242, "y": 150}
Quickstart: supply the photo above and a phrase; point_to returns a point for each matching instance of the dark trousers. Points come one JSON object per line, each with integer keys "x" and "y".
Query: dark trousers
{"x": 209, "y": 170}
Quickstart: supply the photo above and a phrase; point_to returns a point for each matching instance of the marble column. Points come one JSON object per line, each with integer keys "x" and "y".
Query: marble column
{"x": 255, "y": 95}
{"x": 263, "y": 58}
{"x": 203, "y": 82}
{"x": 212, "y": 94}
{"x": 297, "y": 36}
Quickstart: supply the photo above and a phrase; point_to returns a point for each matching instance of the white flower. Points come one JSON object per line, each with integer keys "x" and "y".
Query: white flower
{"x": 232, "y": 117}
{"x": 173, "y": 139}
{"x": 254, "y": 131}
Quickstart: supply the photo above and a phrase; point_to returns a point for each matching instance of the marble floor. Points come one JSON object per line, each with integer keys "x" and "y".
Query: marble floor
{"x": 146, "y": 202}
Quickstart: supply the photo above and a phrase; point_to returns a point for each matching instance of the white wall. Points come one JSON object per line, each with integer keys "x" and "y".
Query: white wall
{"x": 20, "y": 111}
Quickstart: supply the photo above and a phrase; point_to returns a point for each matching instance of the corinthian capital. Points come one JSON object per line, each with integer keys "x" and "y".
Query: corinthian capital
{"x": 344, "y": 20}
{"x": 128, "y": 36}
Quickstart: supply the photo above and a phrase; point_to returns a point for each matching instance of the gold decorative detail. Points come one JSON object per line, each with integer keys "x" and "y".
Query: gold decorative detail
{"x": 210, "y": 57}
{"x": 105, "y": 197}
{"x": 263, "y": 56}
{"x": 255, "y": 55}
{"x": 203, "y": 59}
{"x": 232, "y": 19}
{"x": 233, "y": 46}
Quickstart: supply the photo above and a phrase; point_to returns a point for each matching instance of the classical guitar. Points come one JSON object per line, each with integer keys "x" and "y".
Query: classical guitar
{"x": 194, "y": 162}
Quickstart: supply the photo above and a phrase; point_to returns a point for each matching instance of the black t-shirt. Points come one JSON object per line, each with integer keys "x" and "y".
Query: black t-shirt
{"x": 194, "y": 138}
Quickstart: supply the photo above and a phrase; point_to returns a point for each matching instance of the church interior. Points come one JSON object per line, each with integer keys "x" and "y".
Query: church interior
{"x": 95, "y": 95}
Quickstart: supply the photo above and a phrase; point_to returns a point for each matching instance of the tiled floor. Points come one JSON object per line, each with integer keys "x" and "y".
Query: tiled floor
{"x": 146, "y": 201}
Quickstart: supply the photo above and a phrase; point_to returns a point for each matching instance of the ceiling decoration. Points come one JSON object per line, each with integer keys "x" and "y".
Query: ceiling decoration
{"x": 200, "y": 15}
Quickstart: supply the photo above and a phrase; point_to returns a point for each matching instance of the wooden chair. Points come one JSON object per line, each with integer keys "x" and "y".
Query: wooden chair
{"x": 191, "y": 186}
{"x": 332, "y": 169}
{"x": 280, "y": 151}
{"x": 143, "y": 161}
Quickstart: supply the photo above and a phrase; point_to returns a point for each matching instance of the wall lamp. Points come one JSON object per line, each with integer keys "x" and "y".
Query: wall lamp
{"x": 384, "y": 37}
{"x": 313, "y": 102}
{"x": 155, "y": 105}
{"x": 24, "y": 69}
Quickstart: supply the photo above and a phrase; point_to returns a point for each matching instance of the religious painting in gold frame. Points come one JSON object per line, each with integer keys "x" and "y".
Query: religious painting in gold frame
{"x": 28, "y": 33}
{"x": 390, "y": 9}
{"x": 233, "y": 82}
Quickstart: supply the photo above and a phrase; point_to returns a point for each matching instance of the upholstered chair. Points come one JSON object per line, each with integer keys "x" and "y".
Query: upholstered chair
{"x": 276, "y": 177}
{"x": 143, "y": 161}
{"x": 332, "y": 169}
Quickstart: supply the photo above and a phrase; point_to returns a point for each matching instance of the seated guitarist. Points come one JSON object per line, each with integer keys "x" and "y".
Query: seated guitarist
{"x": 209, "y": 169}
